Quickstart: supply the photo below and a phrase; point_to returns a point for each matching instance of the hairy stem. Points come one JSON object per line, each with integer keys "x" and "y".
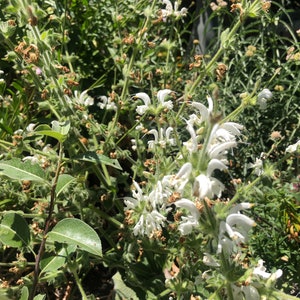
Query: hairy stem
{"x": 47, "y": 225}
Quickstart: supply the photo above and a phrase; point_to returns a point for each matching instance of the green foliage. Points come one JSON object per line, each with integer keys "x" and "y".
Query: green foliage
{"x": 70, "y": 163}
{"x": 84, "y": 237}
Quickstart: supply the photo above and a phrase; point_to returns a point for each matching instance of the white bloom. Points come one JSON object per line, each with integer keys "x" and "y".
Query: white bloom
{"x": 161, "y": 95}
{"x": 148, "y": 223}
{"x": 187, "y": 225}
{"x": 263, "y": 97}
{"x": 260, "y": 270}
{"x": 204, "y": 111}
{"x": 30, "y": 127}
{"x": 150, "y": 209}
{"x": 237, "y": 227}
{"x": 192, "y": 144}
{"x": 107, "y": 103}
{"x": 134, "y": 144}
{"x": 257, "y": 166}
{"x": 32, "y": 159}
{"x": 240, "y": 206}
{"x": 141, "y": 109}
{"x": 293, "y": 148}
{"x": 169, "y": 11}
{"x": 162, "y": 138}
{"x": 190, "y": 206}
{"x": 190, "y": 221}
{"x": 178, "y": 181}
{"x": 207, "y": 186}
{"x": 83, "y": 98}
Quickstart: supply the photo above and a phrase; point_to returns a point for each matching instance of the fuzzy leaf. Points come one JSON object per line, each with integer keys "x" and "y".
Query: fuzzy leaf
{"x": 16, "y": 169}
{"x": 76, "y": 232}
{"x": 96, "y": 158}
{"x": 53, "y": 263}
{"x": 14, "y": 231}
{"x": 122, "y": 291}
{"x": 63, "y": 181}
{"x": 46, "y": 130}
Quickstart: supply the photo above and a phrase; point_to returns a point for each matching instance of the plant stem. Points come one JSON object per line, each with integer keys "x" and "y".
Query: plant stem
{"x": 79, "y": 285}
{"x": 47, "y": 225}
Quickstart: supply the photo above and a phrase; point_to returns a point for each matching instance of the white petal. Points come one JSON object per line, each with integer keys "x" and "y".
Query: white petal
{"x": 215, "y": 164}
{"x": 190, "y": 206}
{"x": 143, "y": 96}
{"x": 162, "y": 94}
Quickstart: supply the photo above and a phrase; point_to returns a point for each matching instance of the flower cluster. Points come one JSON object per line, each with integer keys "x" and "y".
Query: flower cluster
{"x": 170, "y": 11}
{"x": 194, "y": 181}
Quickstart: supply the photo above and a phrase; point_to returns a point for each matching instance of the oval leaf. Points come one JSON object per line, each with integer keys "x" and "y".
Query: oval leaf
{"x": 76, "y": 232}
{"x": 53, "y": 263}
{"x": 16, "y": 169}
{"x": 63, "y": 181}
{"x": 46, "y": 130}
{"x": 14, "y": 231}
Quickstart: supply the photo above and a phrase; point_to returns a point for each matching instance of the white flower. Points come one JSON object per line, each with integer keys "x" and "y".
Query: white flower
{"x": 169, "y": 11}
{"x": 30, "y": 127}
{"x": 207, "y": 186}
{"x": 178, "y": 181}
{"x": 190, "y": 206}
{"x": 151, "y": 209}
{"x": 293, "y": 148}
{"x": 192, "y": 144}
{"x": 83, "y": 98}
{"x": 162, "y": 138}
{"x": 260, "y": 270}
{"x": 141, "y": 109}
{"x": 263, "y": 97}
{"x": 148, "y": 223}
{"x": 161, "y": 95}
{"x": 32, "y": 159}
{"x": 240, "y": 206}
{"x": 257, "y": 166}
{"x": 187, "y": 225}
{"x": 236, "y": 227}
{"x": 190, "y": 221}
{"x": 107, "y": 103}
{"x": 204, "y": 111}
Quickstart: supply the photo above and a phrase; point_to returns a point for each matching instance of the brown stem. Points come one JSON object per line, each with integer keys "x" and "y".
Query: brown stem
{"x": 41, "y": 251}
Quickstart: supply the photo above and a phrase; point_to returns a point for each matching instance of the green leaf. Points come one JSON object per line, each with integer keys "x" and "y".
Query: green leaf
{"x": 61, "y": 127}
{"x": 16, "y": 169}
{"x": 14, "y": 231}
{"x": 76, "y": 232}
{"x": 59, "y": 130}
{"x": 53, "y": 263}
{"x": 39, "y": 297}
{"x": 122, "y": 291}
{"x": 46, "y": 130}
{"x": 63, "y": 181}
{"x": 24, "y": 293}
{"x": 96, "y": 158}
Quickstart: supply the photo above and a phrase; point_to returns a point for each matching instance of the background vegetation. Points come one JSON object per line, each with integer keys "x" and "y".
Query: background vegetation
{"x": 70, "y": 72}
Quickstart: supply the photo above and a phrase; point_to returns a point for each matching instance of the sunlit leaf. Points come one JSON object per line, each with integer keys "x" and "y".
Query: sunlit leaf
{"x": 14, "y": 231}
{"x": 47, "y": 130}
{"x": 16, "y": 169}
{"x": 76, "y": 232}
{"x": 63, "y": 181}
{"x": 96, "y": 158}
